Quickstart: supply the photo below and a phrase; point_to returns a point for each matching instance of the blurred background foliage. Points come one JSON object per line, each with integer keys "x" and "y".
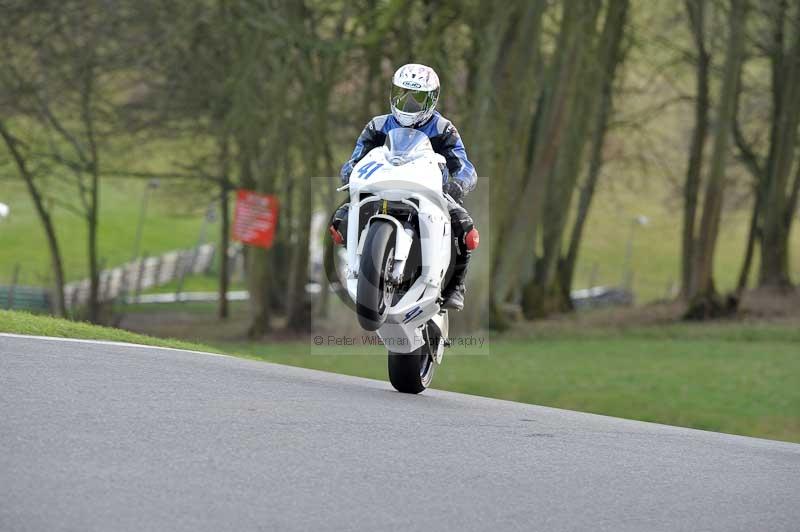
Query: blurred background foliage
{"x": 592, "y": 123}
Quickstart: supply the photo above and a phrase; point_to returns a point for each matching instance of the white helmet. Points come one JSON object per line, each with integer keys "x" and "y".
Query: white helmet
{"x": 415, "y": 91}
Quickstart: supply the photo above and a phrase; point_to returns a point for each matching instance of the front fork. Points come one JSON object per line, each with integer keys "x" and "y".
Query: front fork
{"x": 436, "y": 334}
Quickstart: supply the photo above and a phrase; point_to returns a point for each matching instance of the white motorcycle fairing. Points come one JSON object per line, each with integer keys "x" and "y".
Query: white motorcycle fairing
{"x": 413, "y": 178}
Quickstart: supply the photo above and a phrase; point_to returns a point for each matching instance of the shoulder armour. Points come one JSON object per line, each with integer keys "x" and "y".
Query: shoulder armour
{"x": 379, "y": 122}
{"x": 442, "y": 124}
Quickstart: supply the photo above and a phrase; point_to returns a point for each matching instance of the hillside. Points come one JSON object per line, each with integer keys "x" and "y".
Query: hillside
{"x": 173, "y": 223}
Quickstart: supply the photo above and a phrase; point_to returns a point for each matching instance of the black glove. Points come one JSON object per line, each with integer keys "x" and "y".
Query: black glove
{"x": 454, "y": 190}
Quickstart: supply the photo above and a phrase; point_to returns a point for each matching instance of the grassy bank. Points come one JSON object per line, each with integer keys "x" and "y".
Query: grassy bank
{"x": 736, "y": 378}
{"x": 35, "y": 325}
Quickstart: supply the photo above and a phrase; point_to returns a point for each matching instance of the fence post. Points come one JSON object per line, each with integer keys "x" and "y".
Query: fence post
{"x": 103, "y": 281}
{"x": 231, "y": 263}
{"x": 139, "y": 276}
{"x": 212, "y": 250}
{"x": 159, "y": 265}
{"x": 107, "y": 288}
{"x": 123, "y": 287}
{"x": 186, "y": 267}
{"x": 176, "y": 270}
{"x": 180, "y": 269}
{"x": 73, "y": 298}
{"x": 48, "y": 293}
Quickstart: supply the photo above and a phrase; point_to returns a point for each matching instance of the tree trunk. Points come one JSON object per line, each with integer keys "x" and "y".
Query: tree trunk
{"x": 224, "y": 235}
{"x": 258, "y": 280}
{"x": 94, "y": 304}
{"x": 752, "y": 233}
{"x": 778, "y": 218}
{"x": 299, "y": 318}
{"x": 92, "y": 162}
{"x": 59, "y": 305}
{"x": 704, "y": 301}
{"x": 579, "y": 73}
{"x": 696, "y": 11}
{"x": 500, "y": 65}
{"x": 299, "y": 310}
{"x": 763, "y": 172}
{"x": 515, "y": 249}
{"x": 224, "y": 243}
{"x": 610, "y": 59}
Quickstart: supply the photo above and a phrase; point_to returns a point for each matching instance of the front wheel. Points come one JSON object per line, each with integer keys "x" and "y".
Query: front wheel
{"x": 375, "y": 290}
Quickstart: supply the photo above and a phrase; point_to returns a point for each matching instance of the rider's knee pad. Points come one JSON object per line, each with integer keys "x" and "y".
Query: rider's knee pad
{"x": 462, "y": 225}
{"x": 461, "y": 220}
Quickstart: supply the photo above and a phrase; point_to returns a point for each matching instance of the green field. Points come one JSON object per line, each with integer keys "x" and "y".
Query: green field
{"x": 656, "y": 246}
{"x": 169, "y": 224}
{"x": 736, "y": 378}
{"x": 174, "y": 222}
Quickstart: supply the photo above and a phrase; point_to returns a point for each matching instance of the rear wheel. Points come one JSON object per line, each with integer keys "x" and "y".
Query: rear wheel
{"x": 411, "y": 372}
{"x": 375, "y": 291}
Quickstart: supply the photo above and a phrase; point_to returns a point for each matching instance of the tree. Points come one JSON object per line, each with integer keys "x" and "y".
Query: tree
{"x": 535, "y": 212}
{"x": 704, "y": 301}
{"x": 609, "y": 59}
{"x": 696, "y": 9}
{"x": 59, "y": 62}
{"x": 775, "y": 186}
{"x": 21, "y": 159}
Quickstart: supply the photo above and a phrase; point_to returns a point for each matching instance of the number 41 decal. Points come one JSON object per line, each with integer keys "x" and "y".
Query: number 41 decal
{"x": 368, "y": 169}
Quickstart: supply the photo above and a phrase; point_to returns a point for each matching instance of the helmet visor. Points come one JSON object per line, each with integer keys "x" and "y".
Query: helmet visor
{"x": 410, "y": 100}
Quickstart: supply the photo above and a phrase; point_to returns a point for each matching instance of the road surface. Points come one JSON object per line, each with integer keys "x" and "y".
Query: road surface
{"x": 118, "y": 437}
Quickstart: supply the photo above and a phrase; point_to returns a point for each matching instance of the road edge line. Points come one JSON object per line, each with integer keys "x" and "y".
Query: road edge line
{"x": 110, "y": 342}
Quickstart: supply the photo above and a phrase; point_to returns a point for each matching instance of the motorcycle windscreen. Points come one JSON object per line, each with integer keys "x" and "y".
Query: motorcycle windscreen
{"x": 406, "y": 144}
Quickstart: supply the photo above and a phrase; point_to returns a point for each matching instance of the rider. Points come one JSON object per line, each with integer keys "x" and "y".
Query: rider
{"x": 415, "y": 91}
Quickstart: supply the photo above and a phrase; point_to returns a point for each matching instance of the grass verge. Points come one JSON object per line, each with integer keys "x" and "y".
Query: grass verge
{"x": 36, "y": 325}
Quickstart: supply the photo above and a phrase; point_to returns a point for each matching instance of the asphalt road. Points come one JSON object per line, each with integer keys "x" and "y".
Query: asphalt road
{"x": 115, "y": 437}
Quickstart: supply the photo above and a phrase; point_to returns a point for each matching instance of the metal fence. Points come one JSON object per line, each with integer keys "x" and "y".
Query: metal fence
{"x": 30, "y": 298}
{"x": 141, "y": 274}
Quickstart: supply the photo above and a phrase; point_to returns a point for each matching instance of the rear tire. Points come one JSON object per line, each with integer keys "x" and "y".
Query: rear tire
{"x": 411, "y": 372}
{"x": 374, "y": 296}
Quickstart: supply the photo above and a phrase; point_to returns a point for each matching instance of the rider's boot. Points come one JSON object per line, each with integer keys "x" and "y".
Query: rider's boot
{"x": 454, "y": 292}
{"x": 466, "y": 240}
{"x": 338, "y": 226}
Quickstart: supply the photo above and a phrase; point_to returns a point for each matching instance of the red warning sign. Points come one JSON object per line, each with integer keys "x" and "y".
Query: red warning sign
{"x": 255, "y": 218}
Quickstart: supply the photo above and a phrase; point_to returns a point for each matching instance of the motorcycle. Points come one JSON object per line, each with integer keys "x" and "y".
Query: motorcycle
{"x": 399, "y": 254}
